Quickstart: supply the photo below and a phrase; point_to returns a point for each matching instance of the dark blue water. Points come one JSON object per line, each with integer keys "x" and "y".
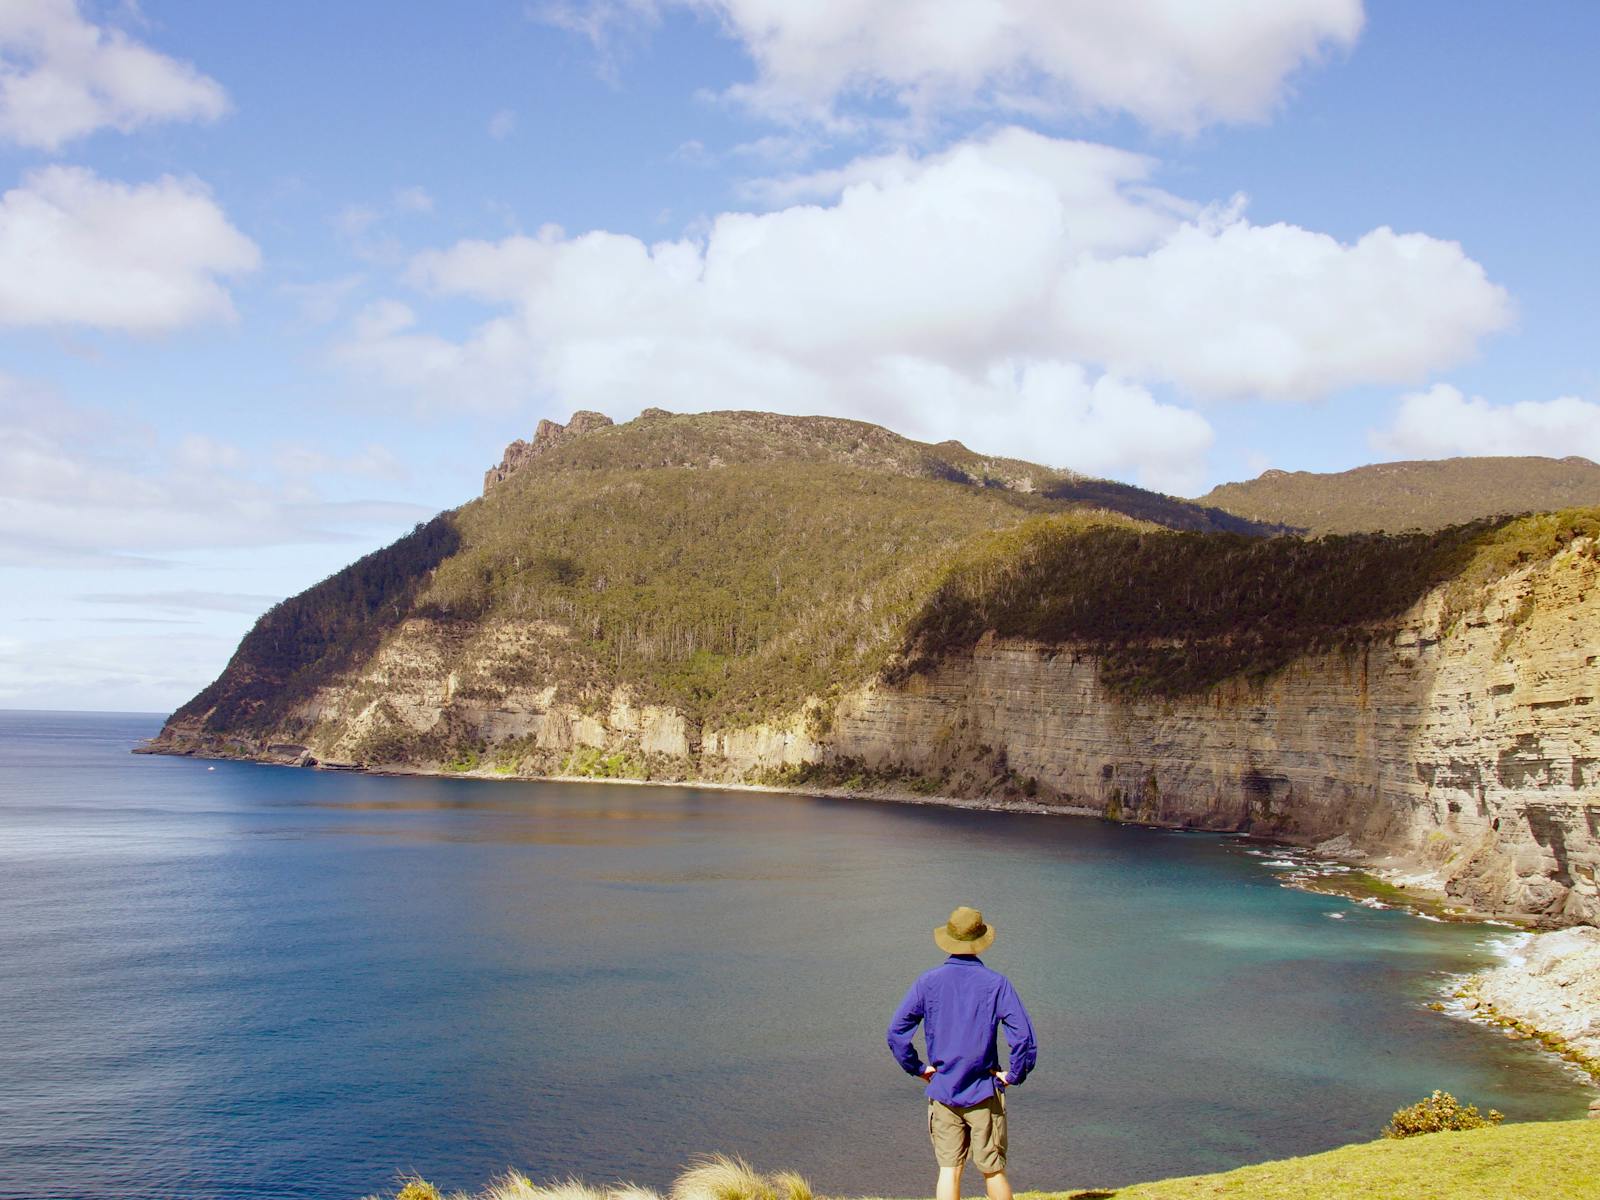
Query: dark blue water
{"x": 257, "y": 981}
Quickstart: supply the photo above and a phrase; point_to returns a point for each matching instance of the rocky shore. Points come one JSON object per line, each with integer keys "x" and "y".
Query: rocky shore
{"x": 1548, "y": 990}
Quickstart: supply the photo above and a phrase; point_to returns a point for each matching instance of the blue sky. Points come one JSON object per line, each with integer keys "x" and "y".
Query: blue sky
{"x": 277, "y": 281}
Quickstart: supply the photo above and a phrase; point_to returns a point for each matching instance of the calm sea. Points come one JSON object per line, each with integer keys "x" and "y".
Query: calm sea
{"x": 229, "y": 980}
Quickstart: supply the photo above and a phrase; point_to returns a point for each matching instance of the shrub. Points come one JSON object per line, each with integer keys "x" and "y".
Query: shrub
{"x": 1439, "y": 1112}
{"x": 414, "y": 1187}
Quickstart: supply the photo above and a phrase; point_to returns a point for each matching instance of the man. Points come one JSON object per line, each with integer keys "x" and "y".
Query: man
{"x": 961, "y": 1006}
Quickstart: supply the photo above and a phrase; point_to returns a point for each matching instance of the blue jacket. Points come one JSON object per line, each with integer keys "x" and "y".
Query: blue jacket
{"x": 961, "y": 1005}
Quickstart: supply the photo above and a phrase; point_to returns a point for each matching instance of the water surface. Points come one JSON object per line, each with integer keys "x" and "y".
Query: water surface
{"x": 232, "y": 980}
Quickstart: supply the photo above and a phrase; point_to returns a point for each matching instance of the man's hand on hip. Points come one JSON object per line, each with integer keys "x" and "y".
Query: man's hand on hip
{"x": 927, "y": 1073}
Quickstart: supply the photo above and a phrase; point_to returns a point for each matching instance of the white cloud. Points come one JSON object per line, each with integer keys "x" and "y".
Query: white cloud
{"x": 370, "y": 462}
{"x": 1173, "y": 64}
{"x": 1232, "y": 309}
{"x": 80, "y": 487}
{"x": 1442, "y": 422}
{"x": 502, "y": 125}
{"x": 76, "y": 249}
{"x": 186, "y": 601}
{"x": 324, "y": 301}
{"x": 946, "y": 295}
{"x": 372, "y": 229}
{"x": 413, "y": 199}
{"x": 62, "y": 77}
{"x": 131, "y": 672}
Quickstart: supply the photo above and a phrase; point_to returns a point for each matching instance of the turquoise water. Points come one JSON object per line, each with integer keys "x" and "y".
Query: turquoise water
{"x": 230, "y": 980}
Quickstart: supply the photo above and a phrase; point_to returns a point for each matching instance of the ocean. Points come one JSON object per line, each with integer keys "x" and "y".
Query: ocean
{"x": 233, "y": 980}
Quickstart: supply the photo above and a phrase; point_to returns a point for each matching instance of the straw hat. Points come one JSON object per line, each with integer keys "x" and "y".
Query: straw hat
{"x": 964, "y": 933}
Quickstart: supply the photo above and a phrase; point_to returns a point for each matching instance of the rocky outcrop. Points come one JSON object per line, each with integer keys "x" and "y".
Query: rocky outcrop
{"x": 546, "y": 436}
{"x": 1550, "y": 987}
{"x": 1461, "y": 746}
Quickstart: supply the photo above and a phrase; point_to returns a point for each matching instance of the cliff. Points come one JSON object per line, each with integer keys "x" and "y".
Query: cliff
{"x": 827, "y": 605}
{"x": 1467, "y": 748}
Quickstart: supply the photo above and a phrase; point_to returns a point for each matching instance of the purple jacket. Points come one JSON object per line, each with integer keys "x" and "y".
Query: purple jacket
{"x": 961, "y": 1005}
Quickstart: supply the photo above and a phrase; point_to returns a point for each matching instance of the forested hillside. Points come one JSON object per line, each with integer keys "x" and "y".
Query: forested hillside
{"x": 728, "y": 563}
{"x": 1400, "y": 496}
{"x": 733, "y": 565}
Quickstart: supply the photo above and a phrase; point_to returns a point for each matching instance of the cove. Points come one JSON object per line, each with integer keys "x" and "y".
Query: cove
{"x": 234, "y": 980}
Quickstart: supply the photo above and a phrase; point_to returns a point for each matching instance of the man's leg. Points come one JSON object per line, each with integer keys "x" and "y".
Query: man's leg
{"x": 997, "y": 1185}
{"x": 951, "y": 1142}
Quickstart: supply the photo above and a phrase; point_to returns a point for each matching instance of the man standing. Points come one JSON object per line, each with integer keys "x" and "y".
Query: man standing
{"x": 961, "y": 1005}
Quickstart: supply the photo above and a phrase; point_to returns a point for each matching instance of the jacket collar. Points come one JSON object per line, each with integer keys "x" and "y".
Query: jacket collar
{"x": 964, "y": 960}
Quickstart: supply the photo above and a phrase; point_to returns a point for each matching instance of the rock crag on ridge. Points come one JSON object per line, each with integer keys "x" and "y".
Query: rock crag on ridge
{"x": 546, "y": 436}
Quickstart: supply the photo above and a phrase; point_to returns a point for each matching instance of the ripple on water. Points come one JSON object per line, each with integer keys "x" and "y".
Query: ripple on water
{"x": 258, "y": 981}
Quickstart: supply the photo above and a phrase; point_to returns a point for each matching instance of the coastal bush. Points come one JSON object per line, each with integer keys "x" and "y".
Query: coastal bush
{"x": 413, "y": 1188}
{"x": 592, "y": 762}
{"x": 1439, "y": 1112}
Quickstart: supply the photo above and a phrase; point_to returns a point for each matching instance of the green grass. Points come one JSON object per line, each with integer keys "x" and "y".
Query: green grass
{"x": 1558, "y": 1160}
{"x": 1534, "y": 1161}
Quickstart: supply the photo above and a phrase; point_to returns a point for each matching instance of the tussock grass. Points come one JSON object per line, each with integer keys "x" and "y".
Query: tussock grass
{"x": 719, "y": 1177}
{"x": 714, "y": 1177}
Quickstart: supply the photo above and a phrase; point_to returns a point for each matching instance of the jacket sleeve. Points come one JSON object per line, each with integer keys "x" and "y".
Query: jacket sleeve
{"x": 901, "y": 1030}
{"x": 1019, "y": 1034}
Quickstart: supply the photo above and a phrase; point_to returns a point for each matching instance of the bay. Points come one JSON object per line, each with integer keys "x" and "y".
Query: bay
{"x": 232, "y": 980}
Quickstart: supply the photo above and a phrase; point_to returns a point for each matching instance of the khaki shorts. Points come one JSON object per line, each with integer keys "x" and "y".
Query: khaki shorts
{"x": 978, "y": 1130}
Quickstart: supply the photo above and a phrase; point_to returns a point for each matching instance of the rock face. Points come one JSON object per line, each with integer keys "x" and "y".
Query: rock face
{"x": 1465, "y": 749}
{"x": 1470, "y": 751}
{"x": 545, "y": 435}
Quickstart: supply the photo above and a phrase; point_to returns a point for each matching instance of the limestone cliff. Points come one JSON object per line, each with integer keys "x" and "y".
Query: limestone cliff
{"x": 1471, "y": 749}
{"x": 1463, "y": 741}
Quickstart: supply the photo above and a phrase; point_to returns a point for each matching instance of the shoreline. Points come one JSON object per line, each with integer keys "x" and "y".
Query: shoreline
{"x": 1396, "y": 882}
{"x": 1510, "y": 996}
{"x": 1546, "y": 989}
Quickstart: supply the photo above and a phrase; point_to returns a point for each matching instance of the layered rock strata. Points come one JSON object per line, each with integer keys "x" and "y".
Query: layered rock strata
{"x": 1462, "y": 745}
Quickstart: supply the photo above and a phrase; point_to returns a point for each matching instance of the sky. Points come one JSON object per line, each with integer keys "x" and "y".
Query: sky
{"x": 277, "y": 281}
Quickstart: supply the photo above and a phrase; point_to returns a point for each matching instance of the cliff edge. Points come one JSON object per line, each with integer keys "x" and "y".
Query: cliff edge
{"x": 748, "y": 598}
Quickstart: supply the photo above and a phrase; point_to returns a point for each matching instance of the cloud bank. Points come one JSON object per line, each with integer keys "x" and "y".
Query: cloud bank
{"x": 1174, "y": 65}
{"x": 62, "y": 77}
{"x": 76, "y": 249}
{"x": 1443, "y": 422}
{"x": 1019, "y": 291}
{"x": 84, "y": 488}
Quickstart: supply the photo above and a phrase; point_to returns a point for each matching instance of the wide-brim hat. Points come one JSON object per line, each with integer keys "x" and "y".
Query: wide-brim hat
{"x": 964, "y": 933}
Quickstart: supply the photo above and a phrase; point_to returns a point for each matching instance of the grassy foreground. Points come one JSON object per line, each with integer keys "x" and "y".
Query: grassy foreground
{"x": 1532, "y": 1161}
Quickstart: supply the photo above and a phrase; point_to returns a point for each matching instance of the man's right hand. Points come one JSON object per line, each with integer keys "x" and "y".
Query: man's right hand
{"x": 927, "y": 1074}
